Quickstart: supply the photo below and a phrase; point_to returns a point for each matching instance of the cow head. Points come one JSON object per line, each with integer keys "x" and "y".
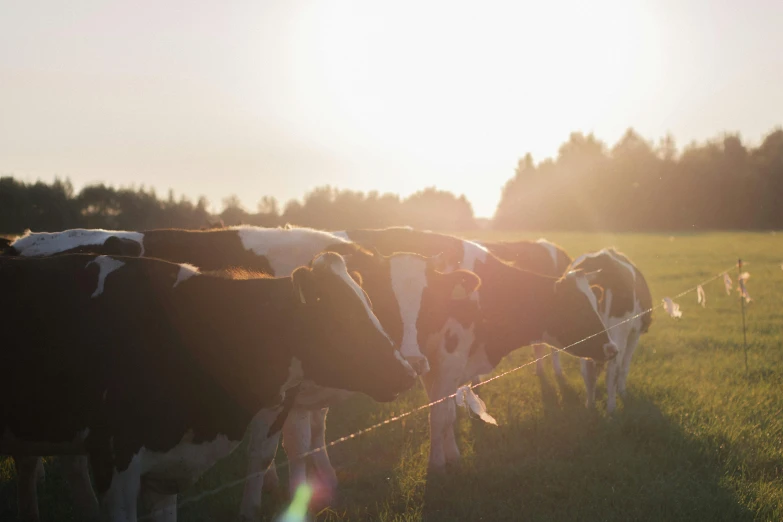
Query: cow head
{"x": 574, "y": 317}
{"x": 413, "y": 300}
{"x": 349, "y": 349}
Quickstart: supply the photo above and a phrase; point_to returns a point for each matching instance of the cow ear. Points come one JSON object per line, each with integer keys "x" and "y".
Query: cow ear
{"x": 304, "y": 285}
{"x": 356, "y": 276}
{"x": 462, "y": 284}
{"x": 599, "y": 292}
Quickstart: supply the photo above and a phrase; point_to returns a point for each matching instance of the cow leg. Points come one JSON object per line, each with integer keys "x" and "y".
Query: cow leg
{"x": 442, "y": 417}
{"x": 78, "y": 477}
{"x": 450, "y": 448}
{"x": 590, "y": 376}
{"x": 119, "y": 502}
{"x": 612, "y": 369}
{"x": 323, "y": 465}
{"x": 539, "y": 351}
{"x": 271, "y": 478}
{"x": 556, "y": 362}
{"x": 297, "y": 439}
{"x": 261, "y": 453}
{"x": 160, "y": 507}
{"x": 630, "y": 347}
{"x": 438, "y": 423}
{"x": 27, "y": 473}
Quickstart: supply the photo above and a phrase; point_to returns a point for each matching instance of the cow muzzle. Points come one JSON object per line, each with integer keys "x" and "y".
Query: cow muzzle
{"x": 419, "y": 363}
{"x": 610, "y": 351}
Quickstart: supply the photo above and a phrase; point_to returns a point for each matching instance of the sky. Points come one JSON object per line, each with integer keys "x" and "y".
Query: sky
{"x": 277, "y": 97}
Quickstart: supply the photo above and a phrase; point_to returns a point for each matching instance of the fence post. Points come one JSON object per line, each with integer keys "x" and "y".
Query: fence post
{"x": 742, "y": 306}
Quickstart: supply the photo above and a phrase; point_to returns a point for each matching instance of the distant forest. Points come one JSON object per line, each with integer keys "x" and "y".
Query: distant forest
{"x": 634, "y": 185}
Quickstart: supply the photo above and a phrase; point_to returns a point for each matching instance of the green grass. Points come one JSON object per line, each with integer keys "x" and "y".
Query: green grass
{"x": 697, "y": 438}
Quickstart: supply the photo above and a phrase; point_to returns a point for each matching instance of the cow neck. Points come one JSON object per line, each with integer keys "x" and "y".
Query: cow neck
{"x": 514, "y": 307}
{"x": 260, "y": 326}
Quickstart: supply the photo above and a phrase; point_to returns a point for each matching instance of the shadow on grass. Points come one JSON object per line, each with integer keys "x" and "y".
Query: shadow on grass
{"x": 582, "y": 466}
{"x": 565, "y": 464}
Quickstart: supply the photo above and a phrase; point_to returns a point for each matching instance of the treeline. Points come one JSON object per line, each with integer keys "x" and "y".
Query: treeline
{"x": 57, "y": 206}
{"x": 632, "y": 186}
{"x": 638, "y": 186}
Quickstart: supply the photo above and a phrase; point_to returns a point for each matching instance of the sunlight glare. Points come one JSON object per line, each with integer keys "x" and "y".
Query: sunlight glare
{"x": 444, "y": 86}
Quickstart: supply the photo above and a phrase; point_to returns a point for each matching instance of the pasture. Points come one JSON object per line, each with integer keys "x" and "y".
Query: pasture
{"x": 697, "y": 438}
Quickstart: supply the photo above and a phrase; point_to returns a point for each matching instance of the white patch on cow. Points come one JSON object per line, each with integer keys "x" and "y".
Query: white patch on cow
{"x": 186, "y": 462}
{"x": 123, "y": 493}
{"x": 286, "y": 249}
{"x": 295, "y": 375}
{"x": 342, "y": 272}
{"x": 408, "y": 281}
{"x": 550, "y": 248}
{"x": 606, "y": 305}
{"x": 472, "y": 252}
{"x": 106, "y": 266}
{"x": 186, "y": 271}
{"x": 33, "y": 244}
{"x": 606, "y": 252}
{"x": 458, "y": 365}
{"x": 342, "y": 234}
{"x": 584, "y": 286}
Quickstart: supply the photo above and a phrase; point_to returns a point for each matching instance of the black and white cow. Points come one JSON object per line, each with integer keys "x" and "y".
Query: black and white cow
{"x": 625, "y": 296}
{"x": 516, "y": 308}
{"x": 155, "y": 370}
{"x": 542, "y": 257}
{"x": 411, "y": 299}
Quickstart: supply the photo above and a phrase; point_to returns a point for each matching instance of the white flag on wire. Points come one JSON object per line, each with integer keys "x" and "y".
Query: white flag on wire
{"x": 467, "y": 398}
{"x": 727, "y": 283}
{"x": 701, "y": 296}
{"x": 741, "y": 288}
{"x": 672, "y": 308}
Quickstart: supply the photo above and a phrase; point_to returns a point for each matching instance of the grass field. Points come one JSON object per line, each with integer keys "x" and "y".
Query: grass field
{"x": 697, "y": 439}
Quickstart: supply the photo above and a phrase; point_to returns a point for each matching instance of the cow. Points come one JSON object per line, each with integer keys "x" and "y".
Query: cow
{"x": 625, "y": 306}
{"x": 541, "y": 257}
{"x": 516, "y": 308}
{"x": 155, "y": 369}
{"x": 411, "y": 299}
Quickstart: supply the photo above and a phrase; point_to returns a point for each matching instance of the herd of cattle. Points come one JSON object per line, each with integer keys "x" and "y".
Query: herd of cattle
{"x": 144, "y": 357}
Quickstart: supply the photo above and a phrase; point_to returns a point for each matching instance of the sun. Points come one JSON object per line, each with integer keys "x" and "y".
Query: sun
{"x": 450, "y": 90}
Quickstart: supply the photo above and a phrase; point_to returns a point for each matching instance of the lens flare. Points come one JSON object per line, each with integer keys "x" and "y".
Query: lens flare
{"x": 297, "y": 511}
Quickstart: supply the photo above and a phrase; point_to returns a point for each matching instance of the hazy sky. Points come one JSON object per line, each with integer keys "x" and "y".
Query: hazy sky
{"x": 276, "y": 97}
